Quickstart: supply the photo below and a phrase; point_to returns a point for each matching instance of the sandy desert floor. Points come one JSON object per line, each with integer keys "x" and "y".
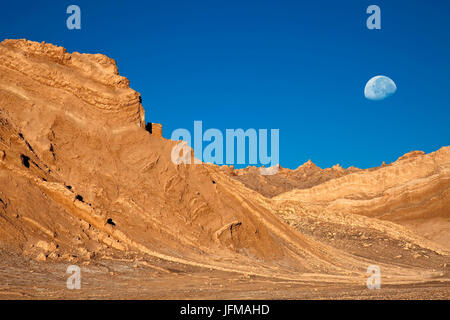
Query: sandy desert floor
{"x": 118, "y": 279}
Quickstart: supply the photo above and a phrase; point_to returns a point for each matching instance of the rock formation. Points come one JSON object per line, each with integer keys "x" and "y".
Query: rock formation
{"x": 413, "y": 191}
{"x": 305, "y": 176}
{"x": 154, "y": 128}
{"x": 82, "y": 180}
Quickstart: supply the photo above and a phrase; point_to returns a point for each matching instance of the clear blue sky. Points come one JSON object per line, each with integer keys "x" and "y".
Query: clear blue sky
{"x": 300, "y": 66}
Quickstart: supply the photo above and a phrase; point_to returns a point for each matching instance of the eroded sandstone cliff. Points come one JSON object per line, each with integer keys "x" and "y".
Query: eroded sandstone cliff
{"x": 81, "y": 179}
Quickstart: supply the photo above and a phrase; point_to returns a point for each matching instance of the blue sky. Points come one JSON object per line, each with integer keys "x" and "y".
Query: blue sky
{"x": 298, "y": 66}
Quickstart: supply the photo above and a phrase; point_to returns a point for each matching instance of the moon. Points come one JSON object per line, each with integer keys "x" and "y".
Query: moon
{"x": 379, "y": 88}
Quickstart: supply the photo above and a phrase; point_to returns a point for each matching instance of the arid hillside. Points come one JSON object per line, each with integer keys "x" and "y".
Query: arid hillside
{"x": 83, "y": 182}
{"x": 413, "y": 191}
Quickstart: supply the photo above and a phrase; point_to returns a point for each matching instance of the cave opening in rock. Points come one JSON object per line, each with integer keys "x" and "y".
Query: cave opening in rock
{"x": 25, "y": 160}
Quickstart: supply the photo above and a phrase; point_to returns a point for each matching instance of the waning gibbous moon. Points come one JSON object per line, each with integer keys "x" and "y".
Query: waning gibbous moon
{"x": 379, "y": 88}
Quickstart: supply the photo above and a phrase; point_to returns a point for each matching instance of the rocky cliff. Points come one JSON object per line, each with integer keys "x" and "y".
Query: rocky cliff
{"x": 81, "y": 179}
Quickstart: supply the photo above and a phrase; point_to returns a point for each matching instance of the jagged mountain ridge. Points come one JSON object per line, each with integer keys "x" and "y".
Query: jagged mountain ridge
{"x": 305, "y": 176}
